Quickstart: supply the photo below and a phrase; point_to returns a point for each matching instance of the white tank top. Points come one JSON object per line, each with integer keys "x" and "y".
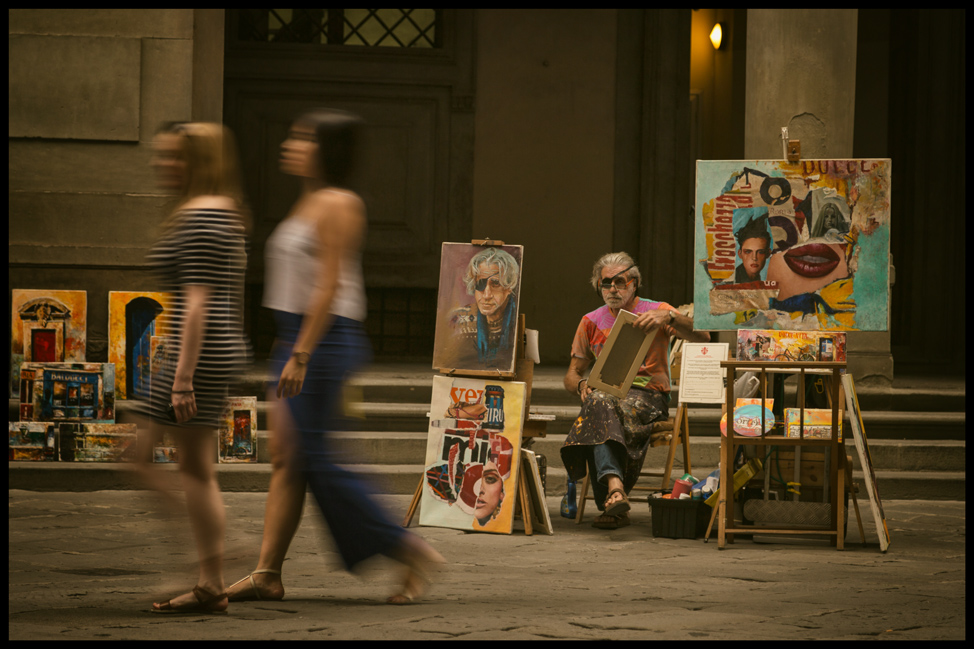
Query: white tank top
{"x": 292, "y": 254}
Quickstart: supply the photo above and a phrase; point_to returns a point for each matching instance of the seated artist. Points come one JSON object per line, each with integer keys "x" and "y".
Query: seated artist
{"x": 611, "y": 435}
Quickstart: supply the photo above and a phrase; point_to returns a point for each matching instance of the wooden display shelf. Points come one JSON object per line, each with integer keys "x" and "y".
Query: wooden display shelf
{"x": 729, "y": 443}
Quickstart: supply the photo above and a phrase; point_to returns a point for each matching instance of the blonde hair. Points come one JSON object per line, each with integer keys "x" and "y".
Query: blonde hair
{"x": 212, "y": 166}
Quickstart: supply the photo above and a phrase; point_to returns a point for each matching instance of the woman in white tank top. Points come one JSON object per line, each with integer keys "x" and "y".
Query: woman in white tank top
{"x": 314, "y": 286}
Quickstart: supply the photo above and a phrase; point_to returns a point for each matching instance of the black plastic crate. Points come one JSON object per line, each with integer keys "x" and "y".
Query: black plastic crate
{"x": 679, "y": 519}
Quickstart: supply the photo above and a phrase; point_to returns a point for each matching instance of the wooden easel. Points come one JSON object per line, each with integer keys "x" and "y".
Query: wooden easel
{"x": 530, "y": 428}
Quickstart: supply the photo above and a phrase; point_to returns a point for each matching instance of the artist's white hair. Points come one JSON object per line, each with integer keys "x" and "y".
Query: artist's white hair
{"x": 615, "y": 259}
{"x": 506, "y": 265}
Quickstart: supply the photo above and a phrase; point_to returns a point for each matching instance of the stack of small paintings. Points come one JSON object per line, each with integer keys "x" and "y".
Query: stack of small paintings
{"x": 770, "y": 345}
{"x": 67, "y": 405}
{"x": 67, "y": 413}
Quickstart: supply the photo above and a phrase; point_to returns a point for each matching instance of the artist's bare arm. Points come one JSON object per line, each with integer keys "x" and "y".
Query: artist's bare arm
{"x": 340, "y": 225}
{"x": 576, "y": 370}
{"x": 681, "y": 325}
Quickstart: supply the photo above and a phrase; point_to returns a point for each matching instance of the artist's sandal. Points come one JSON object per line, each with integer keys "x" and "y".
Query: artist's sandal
{"x": 610, "y": 522}
{"x": 619, "y": 507}
{"x": 206, "y": 604}
{"x": 253, "y": 586}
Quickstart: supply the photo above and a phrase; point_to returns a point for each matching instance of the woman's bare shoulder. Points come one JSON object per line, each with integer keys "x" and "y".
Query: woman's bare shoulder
{"x": 338, "y": 198}
{"x": 211, "y": 202}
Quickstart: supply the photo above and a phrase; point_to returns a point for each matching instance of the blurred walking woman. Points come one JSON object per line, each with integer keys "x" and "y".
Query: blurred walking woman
{"x": 200, "y": 258}
{"x": 314, "y": 286}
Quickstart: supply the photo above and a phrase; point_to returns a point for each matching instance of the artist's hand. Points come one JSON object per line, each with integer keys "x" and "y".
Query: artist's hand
{"x": 183, "y": 400}
{"x": 584, "y": 390}
{"x": 292, "y": 379}
{"x": 654, "y": 319}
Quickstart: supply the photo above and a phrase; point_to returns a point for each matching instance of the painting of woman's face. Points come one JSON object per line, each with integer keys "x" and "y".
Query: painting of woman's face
{"x": 490, "y": 494}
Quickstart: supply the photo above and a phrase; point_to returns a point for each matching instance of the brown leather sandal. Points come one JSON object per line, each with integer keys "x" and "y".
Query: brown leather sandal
{"x": 206, "y": 604}
{"x": 612, "y": 522}
{"x": 619, "y": 507}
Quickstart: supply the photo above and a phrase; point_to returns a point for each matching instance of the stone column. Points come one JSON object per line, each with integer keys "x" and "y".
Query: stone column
{"x": 801, "y": 73}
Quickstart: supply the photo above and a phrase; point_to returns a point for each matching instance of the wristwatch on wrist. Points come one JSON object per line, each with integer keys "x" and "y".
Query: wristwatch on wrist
{"x": 672, "y": 317}
{"x": 301, "y": 358}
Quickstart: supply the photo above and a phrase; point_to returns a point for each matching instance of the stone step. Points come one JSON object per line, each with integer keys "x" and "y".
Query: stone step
{"x": 413, "y": 383}
{"x": 390, "y": 456}
{"x": 404, "y": 478}
{"x": 703, "y": 421}
{"x": 412, "y": 417}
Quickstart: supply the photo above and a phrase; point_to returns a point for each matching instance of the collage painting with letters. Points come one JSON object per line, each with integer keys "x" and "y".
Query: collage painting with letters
{"x": 792, "y": 245}
{"x": 473, "y": 453}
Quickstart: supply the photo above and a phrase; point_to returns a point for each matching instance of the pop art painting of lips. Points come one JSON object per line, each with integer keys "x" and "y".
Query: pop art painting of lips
{"x": 812, "y": 260}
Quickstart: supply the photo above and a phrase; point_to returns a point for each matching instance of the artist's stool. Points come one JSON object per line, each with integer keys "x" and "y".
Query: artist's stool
{"x": 673, "y": 431}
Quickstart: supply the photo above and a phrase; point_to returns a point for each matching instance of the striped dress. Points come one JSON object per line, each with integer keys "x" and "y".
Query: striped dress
{"x": 206, "y": 247}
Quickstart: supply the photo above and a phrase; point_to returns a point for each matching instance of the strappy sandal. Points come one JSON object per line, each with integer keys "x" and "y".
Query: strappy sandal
{"x": 253, "y": 586}
{"x": 206, "y": 604}
{"x": 619, "y": 507}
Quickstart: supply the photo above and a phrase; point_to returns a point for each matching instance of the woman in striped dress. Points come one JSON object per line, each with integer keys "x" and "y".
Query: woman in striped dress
{"x": 200, "y": 258}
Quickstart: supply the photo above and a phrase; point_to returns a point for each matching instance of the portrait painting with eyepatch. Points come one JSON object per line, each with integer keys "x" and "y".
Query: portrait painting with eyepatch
{"x": 477, "y": 308}
{"x": 801, "y": 246}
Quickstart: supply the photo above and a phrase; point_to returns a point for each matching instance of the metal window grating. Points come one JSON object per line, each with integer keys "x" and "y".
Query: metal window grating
{"x": 402, "y": 28}
{"x": 401, "y": 321}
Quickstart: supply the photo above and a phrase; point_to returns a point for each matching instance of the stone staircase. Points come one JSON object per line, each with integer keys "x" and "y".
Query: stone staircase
{"x": 916, "y": 433}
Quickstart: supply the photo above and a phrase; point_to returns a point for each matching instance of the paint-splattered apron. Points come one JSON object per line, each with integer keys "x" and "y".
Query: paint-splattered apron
{"x": 628, "y": 421}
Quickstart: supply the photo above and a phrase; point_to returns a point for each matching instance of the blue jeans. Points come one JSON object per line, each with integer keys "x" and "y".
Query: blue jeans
{"x": 607, "y": 459}
{"x": 358, "y": 525}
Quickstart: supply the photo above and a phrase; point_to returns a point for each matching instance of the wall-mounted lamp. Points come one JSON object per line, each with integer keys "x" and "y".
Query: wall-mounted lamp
{"x": 716, "y": 35}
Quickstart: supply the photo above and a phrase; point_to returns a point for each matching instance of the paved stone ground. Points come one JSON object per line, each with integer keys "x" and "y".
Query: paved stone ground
{"x": 87, "y": 566}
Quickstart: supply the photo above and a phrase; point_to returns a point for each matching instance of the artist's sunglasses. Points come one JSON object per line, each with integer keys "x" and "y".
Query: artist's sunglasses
{"x": 495, "y": 283}
{"x": 619, "y": 283}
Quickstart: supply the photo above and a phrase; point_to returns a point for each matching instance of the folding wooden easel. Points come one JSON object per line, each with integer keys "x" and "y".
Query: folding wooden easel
{"x": 530, "y": 427}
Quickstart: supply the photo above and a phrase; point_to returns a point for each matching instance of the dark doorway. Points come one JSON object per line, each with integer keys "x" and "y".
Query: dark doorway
{"x": 409, "y": 74}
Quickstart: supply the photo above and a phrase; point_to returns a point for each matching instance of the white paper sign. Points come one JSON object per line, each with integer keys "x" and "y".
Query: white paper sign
{"x": 531, "y": 347}
{"x": 701, "y": 376}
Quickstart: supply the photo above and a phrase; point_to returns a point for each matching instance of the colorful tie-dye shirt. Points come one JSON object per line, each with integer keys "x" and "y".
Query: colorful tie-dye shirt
{"x": 594, "y": 330}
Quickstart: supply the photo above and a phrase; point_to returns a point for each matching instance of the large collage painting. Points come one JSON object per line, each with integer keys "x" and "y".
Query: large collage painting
{"x": 472, "y": 454}
{"x": 792, "y": 245}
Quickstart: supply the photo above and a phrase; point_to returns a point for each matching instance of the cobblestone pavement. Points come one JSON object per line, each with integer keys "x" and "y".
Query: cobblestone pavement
{"x": 87, "y": 566}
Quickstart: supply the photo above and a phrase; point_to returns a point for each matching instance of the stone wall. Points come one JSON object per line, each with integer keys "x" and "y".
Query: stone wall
{"x": 88, "y": 89}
